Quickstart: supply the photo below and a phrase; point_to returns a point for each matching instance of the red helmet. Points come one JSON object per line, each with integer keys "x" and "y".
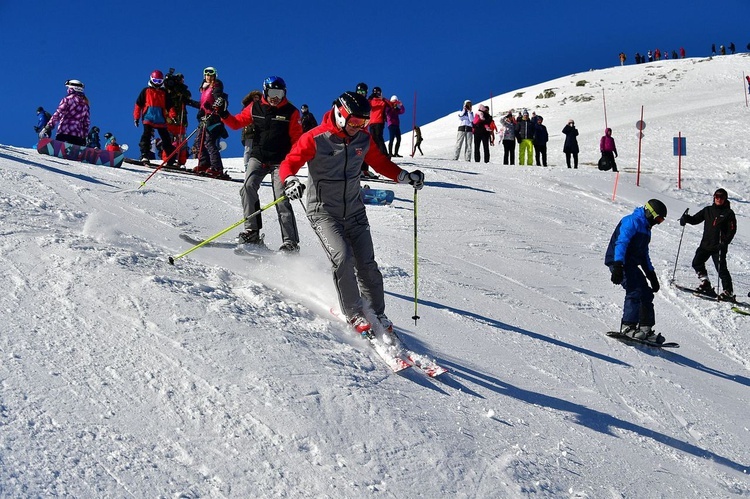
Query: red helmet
{"x": 157, "y": 77}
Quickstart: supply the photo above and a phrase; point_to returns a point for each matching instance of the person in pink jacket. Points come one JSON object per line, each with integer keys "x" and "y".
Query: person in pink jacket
{"x": 609, "y": 151}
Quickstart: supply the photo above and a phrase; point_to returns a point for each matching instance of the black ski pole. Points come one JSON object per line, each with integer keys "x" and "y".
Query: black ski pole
{"x": 674, "y": 272}
{"x": 416, "y": 268}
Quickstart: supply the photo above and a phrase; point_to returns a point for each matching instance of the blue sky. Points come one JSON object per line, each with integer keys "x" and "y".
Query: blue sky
{"x": 445, "y": 51}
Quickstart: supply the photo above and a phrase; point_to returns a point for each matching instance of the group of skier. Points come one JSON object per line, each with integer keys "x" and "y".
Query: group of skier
{"x": 628, "y": 259}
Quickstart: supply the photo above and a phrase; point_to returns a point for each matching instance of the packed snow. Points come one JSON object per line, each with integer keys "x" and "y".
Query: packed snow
{"x": 227, "y": 376}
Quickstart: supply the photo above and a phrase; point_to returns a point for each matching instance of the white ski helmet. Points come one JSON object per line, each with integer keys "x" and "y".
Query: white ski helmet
{"x": 394, "y": 98}
{"x": 76, "y": 85}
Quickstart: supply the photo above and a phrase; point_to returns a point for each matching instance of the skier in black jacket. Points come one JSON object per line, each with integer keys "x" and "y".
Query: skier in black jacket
{"x": 719, "y": 228}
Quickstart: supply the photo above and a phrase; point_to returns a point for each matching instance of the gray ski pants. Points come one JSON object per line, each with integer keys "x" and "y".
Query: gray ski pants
{"x": 254, "y": 175}
{"x": 348, "y": 244}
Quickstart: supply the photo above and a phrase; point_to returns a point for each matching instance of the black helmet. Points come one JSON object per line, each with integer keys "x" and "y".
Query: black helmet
{"x": 351, "y": 104}
{"x": 39, "y": 109}
{"x": 376, "y": 91}
{"x": 107, "y": 135}
{"x": 95, "y": 129}
{"x": 362, "y": 88}
{"x": 656, "y": 211}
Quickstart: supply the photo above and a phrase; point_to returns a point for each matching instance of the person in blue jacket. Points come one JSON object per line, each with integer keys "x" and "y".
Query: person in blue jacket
{"x": 628, "y": 259}
{"x": 42, "y": 119}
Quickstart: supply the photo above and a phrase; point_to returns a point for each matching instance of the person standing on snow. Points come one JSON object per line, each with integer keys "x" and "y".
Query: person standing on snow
{"x": 482, "y": 132}
{"x": 541, "y": 137}
{"x": 608, "y": 148}
{"x": 72, "y": 116}
{"x": 628, "y": 259}
{"x": 213, "y": 102}
{"x": 509, "y": 139}
{"x": 278, "y": 128}
{"x": 525, "y": 129}
{"x": 334, "y": 152}
{"x": 392, "y": 113}
{"x": 151, "y": 107}
{"x": 377, "y": 121}
{"x": 308, "y": 119}
{"x": 570, "y": 148}
{"x": 465, "y": 128}
{"x": 719, "y": 228}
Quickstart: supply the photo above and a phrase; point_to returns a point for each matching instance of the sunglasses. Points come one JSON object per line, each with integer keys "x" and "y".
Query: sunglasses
{"x": 276, "y": 93}
{"x": 209, "y": 72}
{"x": 357, "y": 122}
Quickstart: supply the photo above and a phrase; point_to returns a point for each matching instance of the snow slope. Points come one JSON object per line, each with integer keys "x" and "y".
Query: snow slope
{"x": 226, "y": 376}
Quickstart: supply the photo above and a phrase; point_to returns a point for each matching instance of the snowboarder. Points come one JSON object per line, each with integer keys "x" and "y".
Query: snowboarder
{"x": 110, "y": 143}
{"x": 72, "y": 116}
{"x": 92, "y": 139}
{"x": 334, "y": 152}
{"x": 42, "y": 119}
{"x": 628, "y": 259}
{"x": 719, "y": 228}
{"x": 151, "y": 107}
{"x": 278, "y": 128}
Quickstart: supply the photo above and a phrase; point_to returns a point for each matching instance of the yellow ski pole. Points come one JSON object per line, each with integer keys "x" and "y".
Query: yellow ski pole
{"x": 224, "y": 231}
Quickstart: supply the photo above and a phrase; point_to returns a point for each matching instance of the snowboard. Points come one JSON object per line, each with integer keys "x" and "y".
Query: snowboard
{"x": 377, "y": 196}
{"x": 628, "y": 339}
{"x": 79, "y": 153}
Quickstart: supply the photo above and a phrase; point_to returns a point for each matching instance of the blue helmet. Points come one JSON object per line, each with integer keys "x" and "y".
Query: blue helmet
{"x": 276, "y": 82}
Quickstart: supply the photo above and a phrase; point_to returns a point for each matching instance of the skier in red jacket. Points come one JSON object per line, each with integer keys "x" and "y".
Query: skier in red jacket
{"x": 334, "y": 152}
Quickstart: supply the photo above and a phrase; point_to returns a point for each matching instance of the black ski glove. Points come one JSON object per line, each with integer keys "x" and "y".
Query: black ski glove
{"x": 683, "y": 220}
{"x": 617, "y": 273}
{"x": 651, "y": 276}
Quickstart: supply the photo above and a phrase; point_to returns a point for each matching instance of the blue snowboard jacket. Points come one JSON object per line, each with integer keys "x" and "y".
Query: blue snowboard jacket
{"x": 629, "y": 242}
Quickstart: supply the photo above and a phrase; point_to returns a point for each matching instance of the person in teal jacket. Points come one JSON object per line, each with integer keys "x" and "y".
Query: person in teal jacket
{"x": 629, "y": 261}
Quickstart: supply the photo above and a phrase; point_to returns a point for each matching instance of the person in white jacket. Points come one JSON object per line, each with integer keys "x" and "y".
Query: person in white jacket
{"x": 465, "y": 122}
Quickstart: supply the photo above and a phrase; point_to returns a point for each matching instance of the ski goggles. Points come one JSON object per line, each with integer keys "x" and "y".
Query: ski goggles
{"x": 357, "y": 122}
{"x": 275, "y": 93}
{"x": 654, "y": 216}
{"x": 209, "y": 71}
{"x": 157, "y": 81}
